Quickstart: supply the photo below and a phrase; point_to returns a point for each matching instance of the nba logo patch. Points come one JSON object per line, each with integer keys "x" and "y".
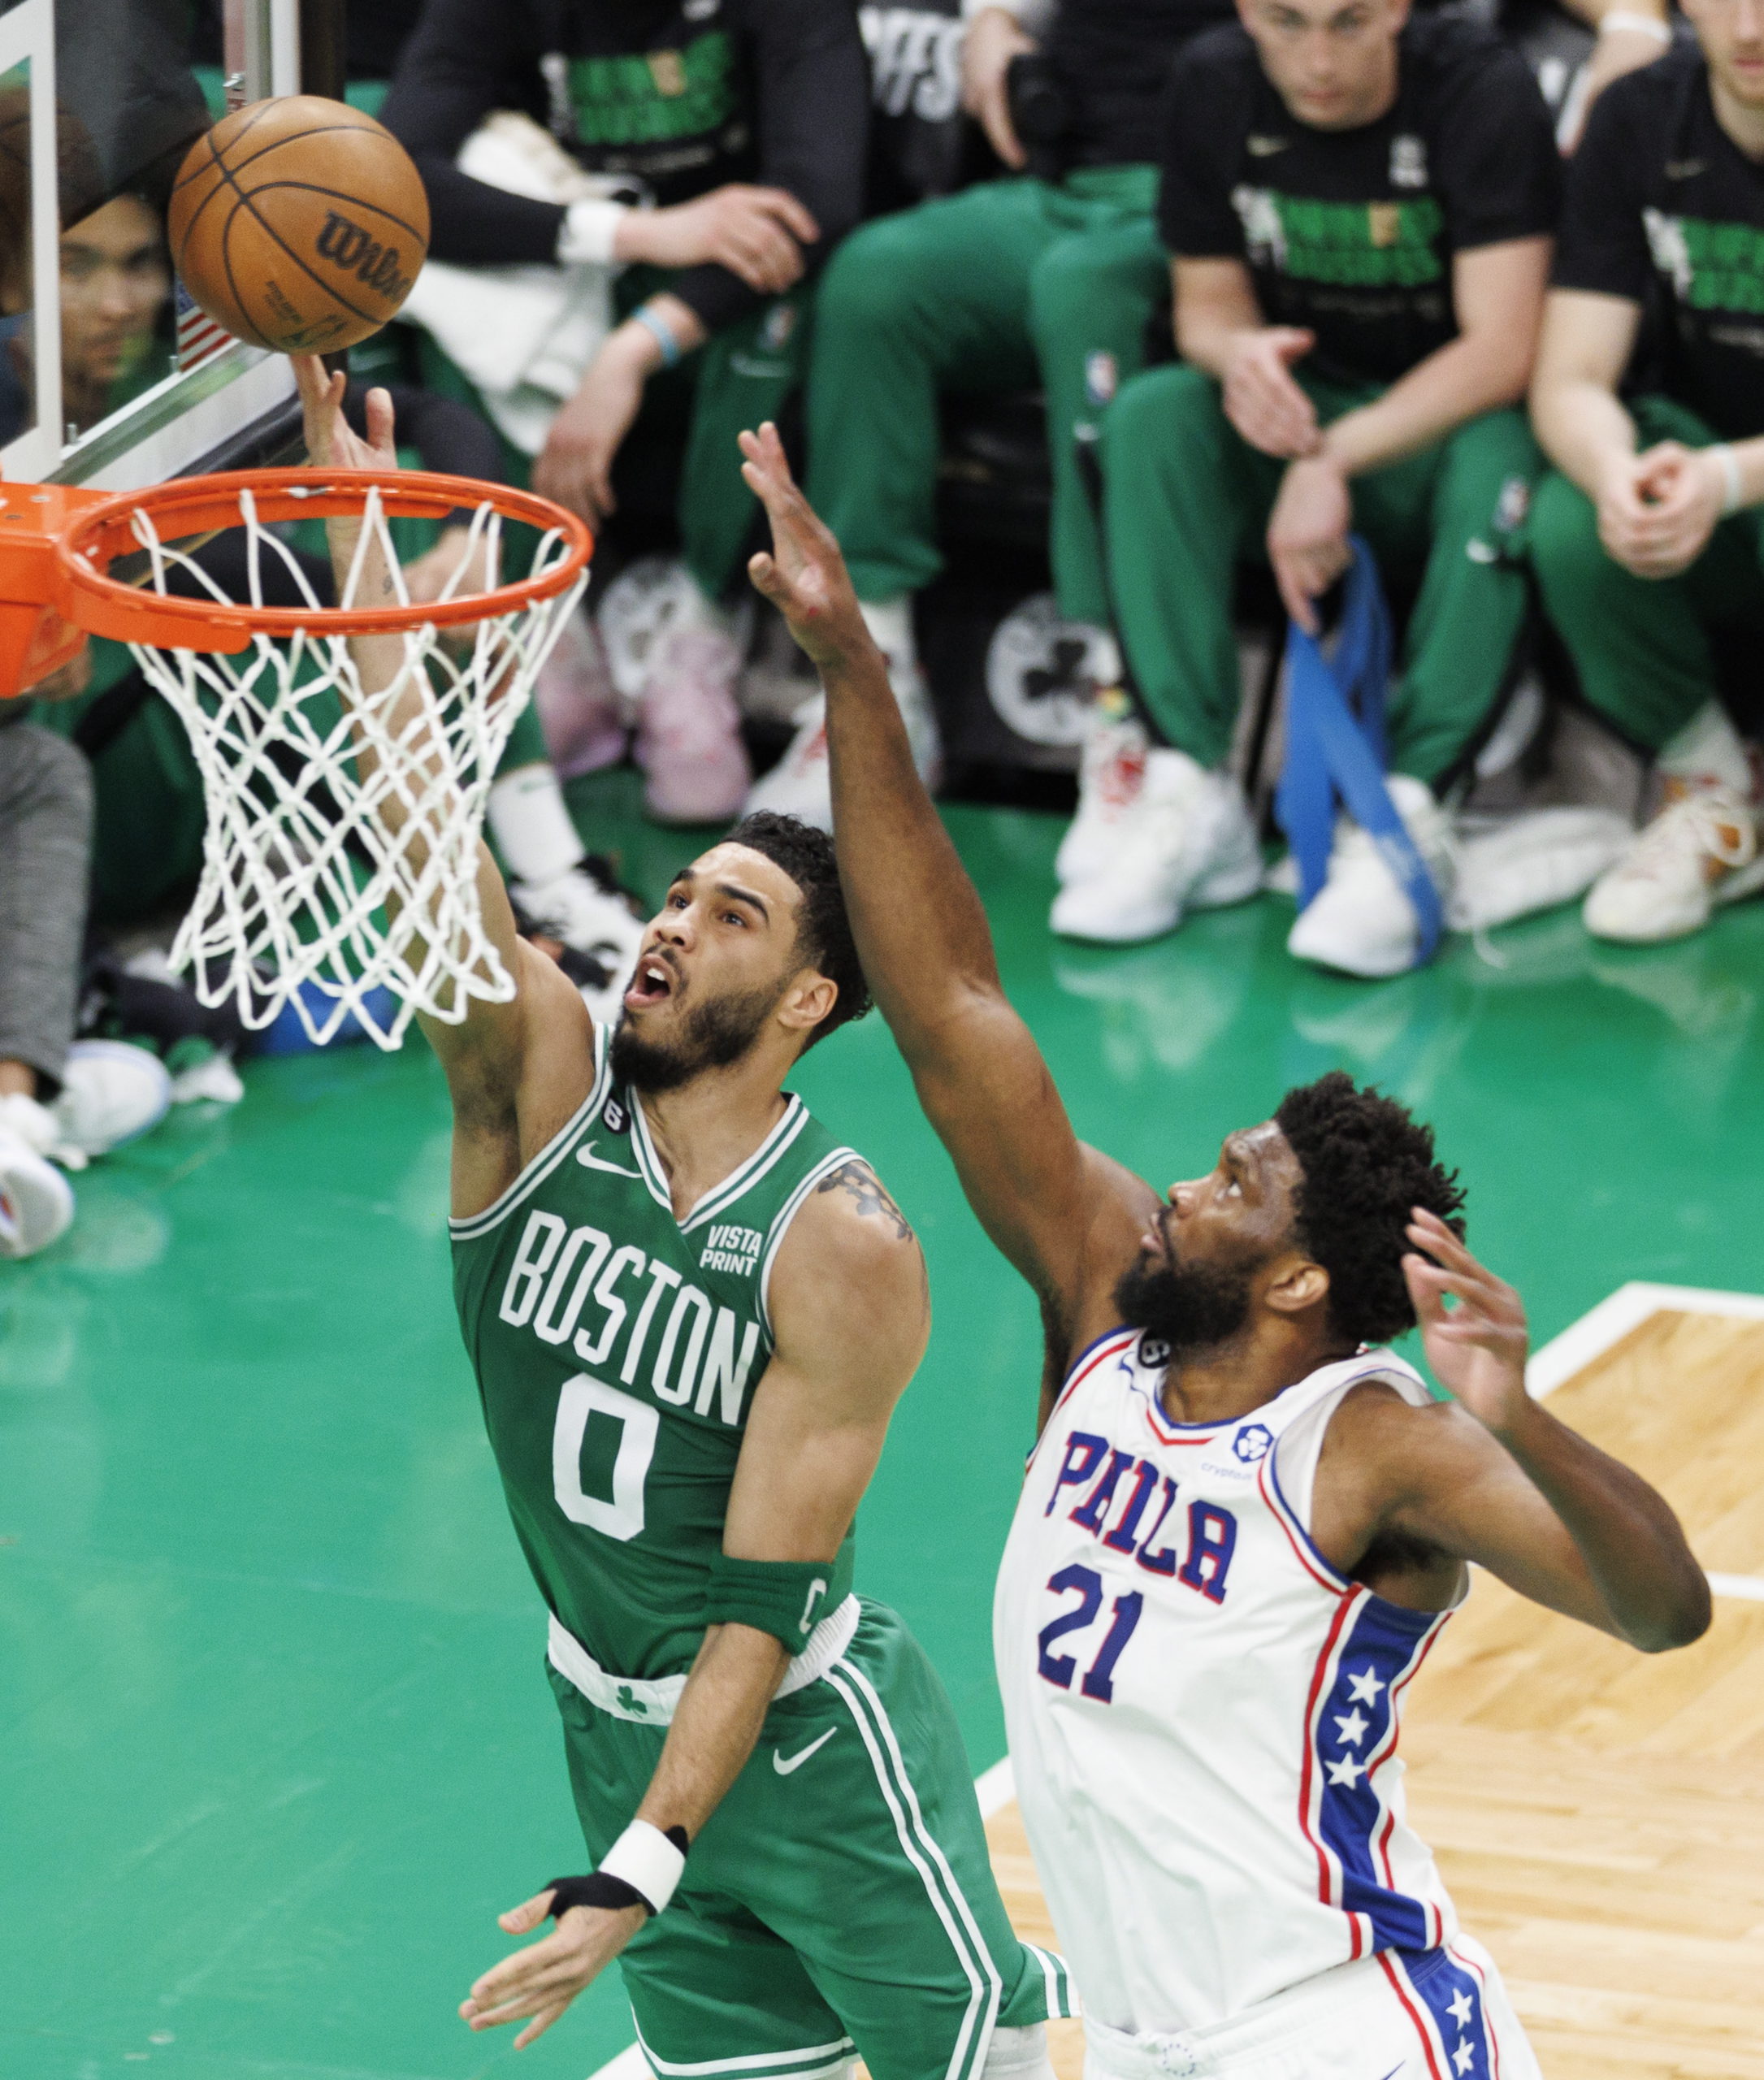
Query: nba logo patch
{"x": 1408, "y": 162}
{"x": 1153, "y": 1350}
{"x": 781, "y": 322}
{"x": 1100, "y": 377}
{"x": 1252, "y": 1442}
{"x": 614, "y": 1116}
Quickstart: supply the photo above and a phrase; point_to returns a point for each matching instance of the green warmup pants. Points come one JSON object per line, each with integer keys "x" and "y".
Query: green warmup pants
{"x": 1009, "y": 284}
{"x": 1186, "y": 497}
{"x": 742, "y": 376}
{"x": 1640, "y": 645}
{"x": 840, "y": 1900}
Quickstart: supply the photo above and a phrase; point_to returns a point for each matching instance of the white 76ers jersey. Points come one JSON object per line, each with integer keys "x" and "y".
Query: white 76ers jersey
{"x": 1202, "y": 1713}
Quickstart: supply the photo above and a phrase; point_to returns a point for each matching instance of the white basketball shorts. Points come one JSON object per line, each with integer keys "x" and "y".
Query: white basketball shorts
{"x": 1406, "y": 2015}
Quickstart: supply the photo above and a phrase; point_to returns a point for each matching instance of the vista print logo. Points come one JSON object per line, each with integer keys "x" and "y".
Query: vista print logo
{"x": 614, "y": 1116}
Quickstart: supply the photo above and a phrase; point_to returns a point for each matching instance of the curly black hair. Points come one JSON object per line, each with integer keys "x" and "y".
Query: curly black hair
{"x": 1365, "y": 1162}
{"x": 823, "y": 929}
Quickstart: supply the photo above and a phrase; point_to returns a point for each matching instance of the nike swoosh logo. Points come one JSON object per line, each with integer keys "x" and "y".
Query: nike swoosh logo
{"x": 784, "y": 1765}
{"x": 1684, "y": 169}
{"x": 1264, "y": 148}
{"x": 586, "y": 1156}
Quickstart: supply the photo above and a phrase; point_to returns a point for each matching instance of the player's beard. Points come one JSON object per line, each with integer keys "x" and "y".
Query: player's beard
{"x": 708, "y": 1036}
{"x": 1191, "y": 1307}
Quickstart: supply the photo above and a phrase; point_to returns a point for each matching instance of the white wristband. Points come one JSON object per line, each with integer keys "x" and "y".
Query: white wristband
{"x": 644, "y": 1857}
{"x": 1733, "y": 495}
{"x": 588, "y": 229}
{"x": 1626, "y": 18}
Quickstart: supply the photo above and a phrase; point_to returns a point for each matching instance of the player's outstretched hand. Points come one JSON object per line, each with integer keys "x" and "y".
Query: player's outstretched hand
{"x": 804, "y": 577}
{"x": 332, "y": 442}
{"x": 538, "y": 1984}
{"x": 1477, "y": 1348}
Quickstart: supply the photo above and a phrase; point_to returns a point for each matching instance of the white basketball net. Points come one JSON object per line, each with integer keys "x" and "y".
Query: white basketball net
{"x": 318, "y": 889}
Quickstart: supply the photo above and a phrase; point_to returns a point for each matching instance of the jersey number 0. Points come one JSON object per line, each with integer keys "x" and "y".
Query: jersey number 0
{"x": 622, "y": 1517}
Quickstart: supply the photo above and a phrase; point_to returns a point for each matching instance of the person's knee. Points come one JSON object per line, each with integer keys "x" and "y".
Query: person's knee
{"x": 874, "y": 281}
{"x": 1565, "y": 552}
{"x": 1066, "y": 283}
{"x": 1172, "y": 408}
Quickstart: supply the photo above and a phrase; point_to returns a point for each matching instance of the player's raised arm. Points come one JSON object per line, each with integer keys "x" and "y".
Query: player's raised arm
{"x": 513, "y": 1077}
{"x": 1495, "y": 1478}
{"x": 1066, "y": 1216}
{"x": 851, "y": 1315}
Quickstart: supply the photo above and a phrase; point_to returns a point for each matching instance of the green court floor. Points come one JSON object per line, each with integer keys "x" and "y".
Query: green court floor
{"x": 275, "y": 1741}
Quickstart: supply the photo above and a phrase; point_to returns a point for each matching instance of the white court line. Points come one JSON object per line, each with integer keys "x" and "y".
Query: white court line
{"x": 1743, "y": 1588}
{"x": 1564, "y": 1355}
{"x": 629, "y": 2064}
{"x": 995, "y": 1788}
{"x": 1607, "y": 1324}
{"x": 1612, "y": 1319}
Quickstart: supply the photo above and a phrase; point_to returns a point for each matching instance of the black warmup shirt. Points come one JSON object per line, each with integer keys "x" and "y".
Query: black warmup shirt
{"x": 1664, "y": 208}
{"x": 1352, "y": 232}
{"x": 684, "y": 95}
{"x": 1114, "y": 57}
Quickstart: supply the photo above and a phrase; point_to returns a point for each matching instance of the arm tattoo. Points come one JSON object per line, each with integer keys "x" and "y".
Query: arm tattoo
{"x": 866, "y": 1188}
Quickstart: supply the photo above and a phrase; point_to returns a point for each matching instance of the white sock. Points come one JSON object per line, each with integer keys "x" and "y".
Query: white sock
{"x": 1019, "y": 2055}
{"x": 889, "y": 623}
{"x": 1708, "y": 750}
{"x": 531, "y": 826}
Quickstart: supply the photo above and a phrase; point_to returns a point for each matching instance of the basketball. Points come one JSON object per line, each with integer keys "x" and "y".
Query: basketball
{"x": 298, "y": 223}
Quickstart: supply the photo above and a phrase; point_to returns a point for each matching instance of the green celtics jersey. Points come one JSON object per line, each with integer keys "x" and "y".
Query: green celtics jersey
{"x": 617, "y": 1350}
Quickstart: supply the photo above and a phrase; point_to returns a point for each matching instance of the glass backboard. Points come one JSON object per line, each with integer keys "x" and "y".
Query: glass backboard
{"x": 109, "y": 376}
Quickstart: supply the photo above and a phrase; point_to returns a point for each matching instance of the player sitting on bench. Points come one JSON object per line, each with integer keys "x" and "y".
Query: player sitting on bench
{"x": 1045, "y": 282}
{"x": 1359, "y": 208}
{"x": 693, "y": 105}
{"x": 1649, "y": 537}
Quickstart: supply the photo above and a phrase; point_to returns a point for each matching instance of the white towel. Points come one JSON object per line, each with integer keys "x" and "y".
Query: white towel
{"x": 523, "y": 335}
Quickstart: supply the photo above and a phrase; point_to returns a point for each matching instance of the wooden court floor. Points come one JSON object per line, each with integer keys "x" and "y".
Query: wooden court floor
{"x": 1599, "y": 1814}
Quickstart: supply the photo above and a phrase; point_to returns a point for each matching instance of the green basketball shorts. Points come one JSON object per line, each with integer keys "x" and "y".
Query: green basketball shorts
{"x": 839, "y": 1902}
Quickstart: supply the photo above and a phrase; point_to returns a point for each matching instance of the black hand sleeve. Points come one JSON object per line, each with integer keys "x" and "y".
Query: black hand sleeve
{"x": 1499, "y": 173}
{"x": 1603, "y": 245}
{"x": 1206, "y": 115}
{"x": 812, "y": 80}
{"x": 466, "y": 57}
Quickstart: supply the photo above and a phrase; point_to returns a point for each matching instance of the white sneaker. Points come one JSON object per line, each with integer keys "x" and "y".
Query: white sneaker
{"x": 1360, "y": 921}
{"x": 1111, "y": 774}
{"x": 111, "y": 1092}
{"x": 1512, "y": 866}
{"x": 1701, "y": 850}
{"x": 801, "y": 783}
{"x": 590, "y": 920}
{"x": 641, "y": 605}
{"x": 35, "y": 1200}
{"x": 1187, "y": 843}
{"x": 577, "y": 702}
{"x": 689, "y": 739}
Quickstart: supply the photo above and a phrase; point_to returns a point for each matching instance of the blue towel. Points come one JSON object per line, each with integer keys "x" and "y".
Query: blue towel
{"x": 1335, "y": 749}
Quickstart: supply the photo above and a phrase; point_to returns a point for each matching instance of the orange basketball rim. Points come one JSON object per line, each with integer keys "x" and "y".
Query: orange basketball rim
{"x": 57, "y": 544}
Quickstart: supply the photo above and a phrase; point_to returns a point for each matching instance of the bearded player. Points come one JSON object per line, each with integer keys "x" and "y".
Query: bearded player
{"x": 692, "y": 1313}
{"x": 1244, "y": 1524}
